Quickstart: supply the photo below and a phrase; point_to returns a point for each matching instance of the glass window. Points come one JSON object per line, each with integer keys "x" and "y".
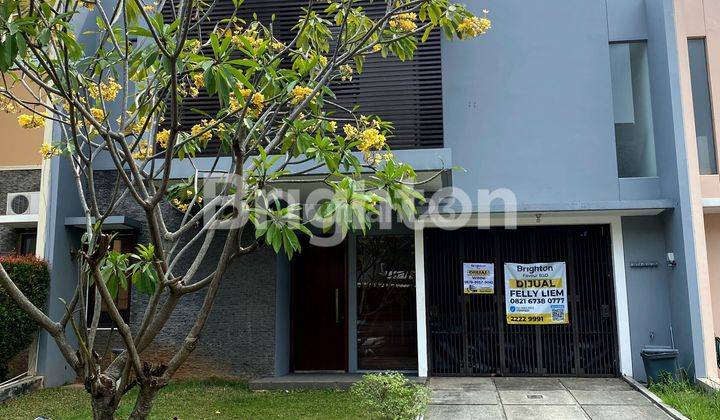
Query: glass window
{"x": 28, "y": 242}
{"x": 632, "y": 109}
{"x": 386, "y": 327}
{"x": 702, "y": 106}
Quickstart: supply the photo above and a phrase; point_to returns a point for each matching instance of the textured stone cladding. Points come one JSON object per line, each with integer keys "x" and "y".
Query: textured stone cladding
{"x": 239, "y": 337}
{"x": 12, "y": 181}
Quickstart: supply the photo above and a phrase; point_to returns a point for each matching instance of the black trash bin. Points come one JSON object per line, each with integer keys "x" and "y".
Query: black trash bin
{"x": 659, "y": 359}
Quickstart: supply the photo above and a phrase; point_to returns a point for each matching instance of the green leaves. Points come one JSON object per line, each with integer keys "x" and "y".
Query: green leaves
{"x": 117, "y": 268}
{"x": 278, "y": 227}
{"x": 350, "y": 206}
{"x": 143, "y": 273}
{"x": 114, "y": 272}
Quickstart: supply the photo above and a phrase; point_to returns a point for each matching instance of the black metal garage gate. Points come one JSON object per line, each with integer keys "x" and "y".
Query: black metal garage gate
{"x": 468, "y": 335}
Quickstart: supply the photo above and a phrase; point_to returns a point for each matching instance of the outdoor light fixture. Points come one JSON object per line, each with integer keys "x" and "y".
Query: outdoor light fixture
{"x": 671, "y": 260}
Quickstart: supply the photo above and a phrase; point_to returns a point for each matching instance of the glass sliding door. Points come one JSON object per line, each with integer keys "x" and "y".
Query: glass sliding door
{"x": 386, "y": 318}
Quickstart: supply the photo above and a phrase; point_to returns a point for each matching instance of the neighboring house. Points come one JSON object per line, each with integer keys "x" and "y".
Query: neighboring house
{"x": 699, "y": 44}
{"x": 20, "y": 184}
{"x": 583, "y": 110}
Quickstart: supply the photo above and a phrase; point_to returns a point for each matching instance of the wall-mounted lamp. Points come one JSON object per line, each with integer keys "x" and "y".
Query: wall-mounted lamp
{"x": 538, "y": 216}
{"x": 671, "y": 260}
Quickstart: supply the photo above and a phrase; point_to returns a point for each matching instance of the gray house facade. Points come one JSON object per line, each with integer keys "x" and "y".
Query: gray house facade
{"x": 567, "y": 112}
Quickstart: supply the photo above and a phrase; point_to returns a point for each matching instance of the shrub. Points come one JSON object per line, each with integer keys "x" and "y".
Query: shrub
{"x": 391, "y": 396}
{"x": 32, "y": 277}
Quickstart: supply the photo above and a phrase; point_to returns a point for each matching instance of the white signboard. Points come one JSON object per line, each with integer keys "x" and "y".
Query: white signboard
{"x": 478, "y": 278}
{"x": 536, "y": 293}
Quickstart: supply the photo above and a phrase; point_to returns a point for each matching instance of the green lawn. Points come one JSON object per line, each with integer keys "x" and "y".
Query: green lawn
{"x": 689, "y": 400}
{"x": 193, "y": 400}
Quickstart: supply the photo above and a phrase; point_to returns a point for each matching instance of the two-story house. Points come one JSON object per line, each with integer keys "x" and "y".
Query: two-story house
{"x": 575, "y": 114}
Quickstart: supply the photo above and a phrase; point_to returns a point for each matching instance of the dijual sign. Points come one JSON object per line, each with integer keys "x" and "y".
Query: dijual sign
{"x": 536, "y": 293}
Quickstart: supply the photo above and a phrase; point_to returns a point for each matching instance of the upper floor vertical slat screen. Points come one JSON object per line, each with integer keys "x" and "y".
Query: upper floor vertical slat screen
{"x": 408, "y": 94}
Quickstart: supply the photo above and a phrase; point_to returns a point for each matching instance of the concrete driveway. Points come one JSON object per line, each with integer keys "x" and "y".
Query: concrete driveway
{"x": 538, "y": 398}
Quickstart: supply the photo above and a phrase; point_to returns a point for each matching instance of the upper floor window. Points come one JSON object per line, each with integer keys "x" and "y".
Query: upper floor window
{"x": 632, "y": 109}
{"x": 406, "y": 93}
{"x": 704, "y": 131}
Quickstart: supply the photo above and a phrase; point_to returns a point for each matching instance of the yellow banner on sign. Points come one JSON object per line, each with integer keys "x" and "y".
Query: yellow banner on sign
{"x": 536, "y": 283}
{"x": 537, "y": 319}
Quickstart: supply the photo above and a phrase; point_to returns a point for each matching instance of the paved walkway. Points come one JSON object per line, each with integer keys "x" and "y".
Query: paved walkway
{"x": 538, "y": 398}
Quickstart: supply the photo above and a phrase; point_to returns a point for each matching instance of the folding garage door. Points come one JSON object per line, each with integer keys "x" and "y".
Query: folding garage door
{"x": 468, "y": 334}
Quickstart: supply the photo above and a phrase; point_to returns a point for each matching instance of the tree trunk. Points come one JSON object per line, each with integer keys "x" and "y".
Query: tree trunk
{"x": 144, "y": 403}
{"x": 103, "y": 408}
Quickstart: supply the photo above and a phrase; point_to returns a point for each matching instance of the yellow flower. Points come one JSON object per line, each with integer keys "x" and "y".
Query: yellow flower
{"x": 109, "y": 90}
{"x": 31, "y": 121}
{"x": 138, "y": 126}
{"x": 350, "y": 131}
{"x": 48, "y": 151}
{"x": 404, "y": 22}
{"x": 143, "y": 152}
{"x": 300, "y": 93}
{"x": 371, "y": 138}
{"x": 149, "y": 8}
{"x": 473, "y": 26}
{"x": 277, "y": 45}
{"x": 162, "y": 138}
{"x": 258, "y": 100}
{"x": 198, "y": 80}
{"x": 98, "y": 113}
{"x": 7, "y": 105}
{"x": 322, "y": 60}
{"x": 346, "y": 72}
{"x": 88, "y": 5}
{"x": 332, "y": 126}
{"x": 198, "y": 128}
{"x": 192, "y": 45}
{"x": 377, "y": 48}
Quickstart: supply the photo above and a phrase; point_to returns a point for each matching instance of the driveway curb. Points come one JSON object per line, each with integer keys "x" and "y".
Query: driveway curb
{"x": 655, "y": 399}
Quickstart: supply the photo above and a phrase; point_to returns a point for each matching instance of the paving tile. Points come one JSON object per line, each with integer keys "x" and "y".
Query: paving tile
{"x": 528, "y": 384}
{"x": 462, "y": 396}
{"x": 615, "y": 412}
{"x": 464, "y": 412}
{"x": 485, "y": 384}
{"x": 536, "y": 397}
{"x": 544, "y": 412}
{"x": 610, "y": 398}
{"x": 595, "y": 384}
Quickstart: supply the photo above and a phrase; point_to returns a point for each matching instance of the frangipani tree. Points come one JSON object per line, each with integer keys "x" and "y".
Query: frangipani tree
{"x": 123, "y": 97}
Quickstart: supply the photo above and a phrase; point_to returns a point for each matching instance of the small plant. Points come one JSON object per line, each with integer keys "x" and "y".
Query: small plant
{"x": 391, "y": 395}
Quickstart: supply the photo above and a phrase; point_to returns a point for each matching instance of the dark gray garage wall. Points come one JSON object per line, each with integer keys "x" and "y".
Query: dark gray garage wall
{"x": 239, "y": 337}
{"x": 648, "y": 289}
{"x": 12, "y": 181}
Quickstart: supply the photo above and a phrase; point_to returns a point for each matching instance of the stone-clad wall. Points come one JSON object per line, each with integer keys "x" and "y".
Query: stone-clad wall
{"x": 11, "y": 181}
{"x": 239, "y": 337}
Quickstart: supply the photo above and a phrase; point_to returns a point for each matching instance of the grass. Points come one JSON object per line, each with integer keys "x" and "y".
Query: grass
{"x": 689, "y": 399}
{"x": 214, "y": 399}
